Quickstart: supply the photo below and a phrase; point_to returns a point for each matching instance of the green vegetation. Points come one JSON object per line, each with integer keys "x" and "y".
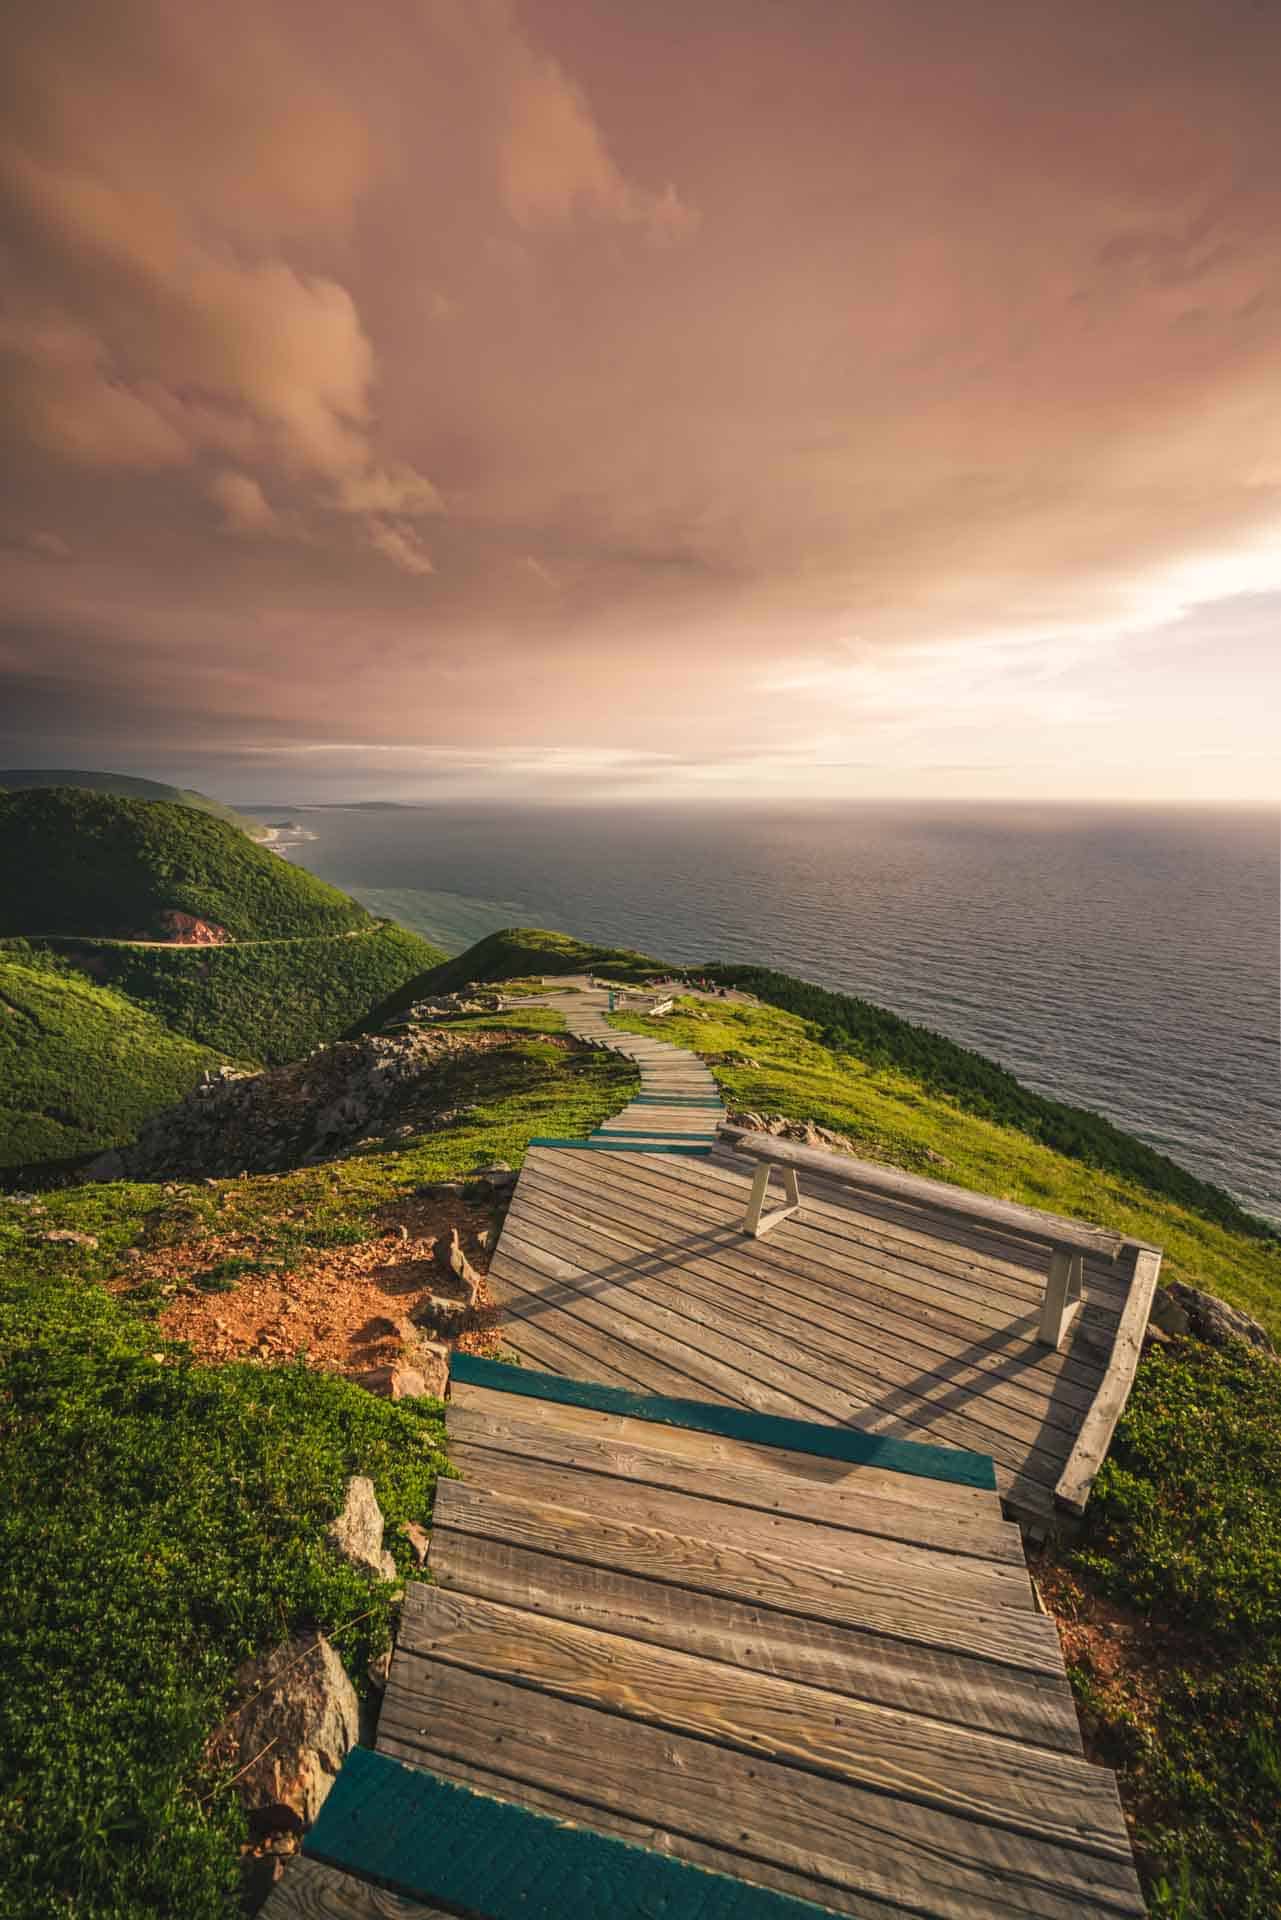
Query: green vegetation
{"x": 127, "y": 787}
{"x": 75, "y": 862}
{"x": 880, "y": 1039}
{"x": 271, "y": 1001}
{"x": 80, "y": 1067}
{"x": 779, "y": 1063}
{"x": 1185, "y": 1529}
{"x": 164, "y": 1520}
{"x": 513, "y": 953}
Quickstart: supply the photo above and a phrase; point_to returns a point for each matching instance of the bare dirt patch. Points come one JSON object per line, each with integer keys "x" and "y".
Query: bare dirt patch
{"x": 335, "y": 1308}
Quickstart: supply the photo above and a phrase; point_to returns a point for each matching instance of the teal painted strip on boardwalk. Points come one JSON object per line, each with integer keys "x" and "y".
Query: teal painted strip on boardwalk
{"x": 619, "y": 1146}
{"x": 406, "y": 1829}
{"x": 736, "y": 1423}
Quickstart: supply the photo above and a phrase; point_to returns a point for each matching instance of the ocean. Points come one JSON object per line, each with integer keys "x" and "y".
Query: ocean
{"x": 1124, "y": 960}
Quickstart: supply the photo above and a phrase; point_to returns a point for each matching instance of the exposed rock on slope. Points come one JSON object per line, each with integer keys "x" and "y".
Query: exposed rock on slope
{"x": 244, "y": 1122}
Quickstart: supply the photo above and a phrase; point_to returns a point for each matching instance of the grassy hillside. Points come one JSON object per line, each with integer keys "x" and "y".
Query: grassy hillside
{"x": 80, "y": 1067}
{"x": 91, "y": 863}
{"x": 270, "y": 1002}
{"x": 865, "y": 1037}
{"x": 780, "y": 1063}
{"x": 163, "y": 1519}
{"x": 873, "y": 1037}
{"x": 510, "y": 955}
{"x": 127, "y": 787}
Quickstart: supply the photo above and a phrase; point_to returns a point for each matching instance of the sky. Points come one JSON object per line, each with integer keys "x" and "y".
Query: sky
{"x": 577, "y": 399}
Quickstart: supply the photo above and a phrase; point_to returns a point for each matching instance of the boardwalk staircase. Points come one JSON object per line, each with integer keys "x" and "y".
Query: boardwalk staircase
{"x": 687, "y": 1657}
{"x": 681, "y": 1660}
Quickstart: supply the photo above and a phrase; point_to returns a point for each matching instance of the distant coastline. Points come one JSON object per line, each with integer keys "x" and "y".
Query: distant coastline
{"x": 282, "y": 836}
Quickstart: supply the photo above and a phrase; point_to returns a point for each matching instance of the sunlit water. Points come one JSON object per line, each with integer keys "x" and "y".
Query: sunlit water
{"x": 1126, "y": 961}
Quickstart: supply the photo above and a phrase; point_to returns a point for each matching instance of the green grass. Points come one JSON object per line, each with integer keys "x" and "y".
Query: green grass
{"x": 894, "y": 1117}
{"x": 77, "y": 862}
{"x": 80, "y": 1067}
{"x": 1185, "y": 1528}
{"x": 163, "y": 1520}
{"x": 271, "y": 1003}
{"x": 878, "y": 1038}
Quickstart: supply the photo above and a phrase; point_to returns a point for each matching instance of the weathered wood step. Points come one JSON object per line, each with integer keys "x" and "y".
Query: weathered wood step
{"x": 963, "y": 1688}
{"x": 867, "y": 1503}
{"x": 833, "y": 1840}
{"x": 807, "y": 1472}
{"x": 862, "y": 1595}
{"x": 1054, "y": 1798}
{"x": 945, "y": 1574}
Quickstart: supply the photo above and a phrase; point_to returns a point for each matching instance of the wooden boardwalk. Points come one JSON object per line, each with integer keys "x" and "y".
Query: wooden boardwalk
{"x": 633, "y": 1268}
{"x": 727, "y": 1619}
{"x": 821, "y": 1677}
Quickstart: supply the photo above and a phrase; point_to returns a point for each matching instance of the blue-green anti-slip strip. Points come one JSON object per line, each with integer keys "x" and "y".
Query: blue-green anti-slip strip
{"x": 736, "y": 1423}
{"x": 407, "y": 1830}
{"x": 621, "y": 1146}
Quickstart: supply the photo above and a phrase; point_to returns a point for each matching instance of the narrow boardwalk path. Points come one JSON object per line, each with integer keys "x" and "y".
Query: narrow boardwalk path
{"x": 709, "y": 1635}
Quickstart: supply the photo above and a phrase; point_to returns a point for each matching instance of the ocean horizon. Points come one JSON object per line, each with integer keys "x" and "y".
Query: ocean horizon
{"x": 1121, "y": 959}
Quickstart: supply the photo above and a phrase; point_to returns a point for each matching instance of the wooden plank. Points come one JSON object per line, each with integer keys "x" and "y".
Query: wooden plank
{"x": 1095, "y": 1437}
{"x": 857, "y": 1597}
{"x": 866, "y": 1503}
{"x": 654, "y": 1366}
{"x": 830, "y": 1442}
{"x": 561, "y": 1218}
{"x": 924, "y": 1569}
{"x": 487, "y": 1856}
{"x": 809, "y": 1472}
{"x": 1057, "y": 1799}
{"x": 839, "y": 1838}
{"x": 1035, "y": 1709}
{"x": 564, "y": 1347}
{"x": 824, "y": 1296}
{"x": 933, "y": 1339}
{"x": 310, "y": 1890}
{"x": 610, "y": 1146}
{"x": 733, "y": 1355}
{"x": 992, "y": 1292}
{"x": 983, "y": 1255}
{"x": 1054, "y": 1229}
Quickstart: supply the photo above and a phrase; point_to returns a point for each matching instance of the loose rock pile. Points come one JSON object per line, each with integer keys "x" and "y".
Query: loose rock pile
{"x": 384, "y": 1084}
{"x": 807, "y": 1133}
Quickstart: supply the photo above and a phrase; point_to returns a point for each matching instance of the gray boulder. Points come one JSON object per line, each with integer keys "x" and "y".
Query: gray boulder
{"x": 299, "y": 1720}
{"x": 356, "y": 1536}
{"x": 1214, "y": 1320}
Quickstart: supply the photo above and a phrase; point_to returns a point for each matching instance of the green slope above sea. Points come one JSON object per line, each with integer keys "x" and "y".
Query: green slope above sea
{"x": 95, "y": 891}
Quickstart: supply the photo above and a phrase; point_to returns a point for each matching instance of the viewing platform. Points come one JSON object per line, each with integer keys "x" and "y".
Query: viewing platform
{"x": 905, "y": 1307}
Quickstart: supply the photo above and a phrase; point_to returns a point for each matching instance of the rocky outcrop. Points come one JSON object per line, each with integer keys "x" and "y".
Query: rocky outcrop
{"x": 446, "y": 1006}
{"x": 185, "y": 930}
{"x": 356, "y": 1535}
{"x": 807, "y": 1133}
{"x": 1207, "y": 1317}
{"x": 386, "y": 1085}
{"x": 299, "y": 1719}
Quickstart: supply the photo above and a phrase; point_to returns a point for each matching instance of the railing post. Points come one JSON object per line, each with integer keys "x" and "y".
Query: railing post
{"x": 1062, "y": 1295}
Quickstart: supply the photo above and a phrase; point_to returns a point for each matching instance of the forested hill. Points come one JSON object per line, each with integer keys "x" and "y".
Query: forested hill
{"x": 126, "y": 786}
{"x": 77, "y": 862}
